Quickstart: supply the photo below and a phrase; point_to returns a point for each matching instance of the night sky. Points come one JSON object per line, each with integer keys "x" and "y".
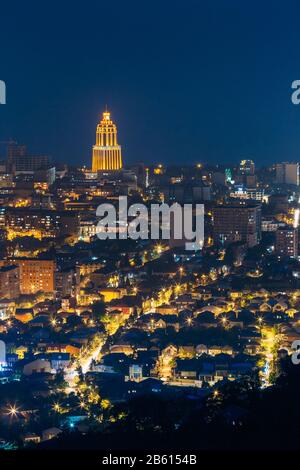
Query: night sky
{"x": 185, "y": 81}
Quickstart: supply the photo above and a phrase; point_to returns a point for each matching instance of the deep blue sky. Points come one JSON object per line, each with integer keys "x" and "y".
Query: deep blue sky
{"x": 186, "y": 81}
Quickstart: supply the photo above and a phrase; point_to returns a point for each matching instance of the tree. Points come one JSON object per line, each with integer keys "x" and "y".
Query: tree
{"x": 98, "y": 310}
{"x": 59, "y": 381}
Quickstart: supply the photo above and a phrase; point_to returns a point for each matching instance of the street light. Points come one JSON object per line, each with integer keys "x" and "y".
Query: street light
{"x": 12, "y": 411}
{"x": 56, "y": 407}
{"x": 159, "y": 249}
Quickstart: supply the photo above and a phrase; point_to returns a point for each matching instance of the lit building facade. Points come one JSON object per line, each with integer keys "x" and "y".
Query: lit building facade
{"x": 106, "y": 153}
{"x": 234, "y": 223}
{"x": 287, "y": 242}
{"x": 247, "y": 167}
{"x": 36, "y": 275}
{"x": 241, "y": 192}
{"x": 39, "y": 223}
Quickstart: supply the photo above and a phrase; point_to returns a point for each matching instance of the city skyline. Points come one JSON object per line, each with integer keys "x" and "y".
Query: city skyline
{"x": 210, "y": 93}
{"x": 149, "y": 231}
{"x": 107, "y": 155}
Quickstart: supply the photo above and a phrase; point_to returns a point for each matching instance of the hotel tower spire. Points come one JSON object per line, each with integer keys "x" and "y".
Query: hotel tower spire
{"x": 106, "y": 153}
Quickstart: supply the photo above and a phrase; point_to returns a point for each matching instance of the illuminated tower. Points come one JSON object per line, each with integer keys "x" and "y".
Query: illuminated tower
{"x": 106, "y": 152}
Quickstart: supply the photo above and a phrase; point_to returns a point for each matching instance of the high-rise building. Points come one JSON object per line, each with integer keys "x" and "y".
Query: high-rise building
{"x": 15, "y": 150}
{"x": 287, "y": 173}
{"x": 106, "y": 153}
{"x": 186, "y": 193}
{"x": 65, "y": 282}
{"x": 2, "y": 217}
{"x": 287, "y": 242}
{"x": 247, "y": 167}
{"x": 279, "y": 203}
{"x": 240, "y": 222}
{"x": 9, "y": 282}
{"x": 36, "y": 275}
{"x": 19, "y": 161}
{"x": 39, "y": 222}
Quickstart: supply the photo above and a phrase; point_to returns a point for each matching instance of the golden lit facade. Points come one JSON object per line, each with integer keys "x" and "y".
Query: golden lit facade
{"x": 36, "y": 275}
{"x": 106, "y": 153}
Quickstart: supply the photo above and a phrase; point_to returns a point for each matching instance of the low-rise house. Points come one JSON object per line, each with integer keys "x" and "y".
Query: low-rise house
{"x": 122, "y": 348}
{"x": 242, "y": 364}
{"x": 202, "y": 293}
{"x": 206, "y": 319}
{"x": 186, "y": 351}
{"x": 201, "y": 349}
{"x": 136, "y": 372}
{"x": 40, "y": 321}
{"x": 167, "y": 310}
{"x": 214, "y": 350}
{"x": 37, "y": 366}
{"x": 151, "y": 321}
{"x": 62, "y": 348}
{"x": 246, "y": 317}
{"x": 111, "y": 293}
{"x": 233, "y": 320}
{"x": 252, "y": 349}
{"x": 24, "y": 314}
{"x": 82, "y": 335}
{"x": 250, "y": 334}
{"x": 265, "y": 307}
{"x": 210, "y": 308}
{"x": 184, "y": 301}
{"x": 127, "y": 304}
{"x": 187, "y": 369}
{"x": 31, "y": 438}
{"x": 114, "y": 363}
{"x": 59, "y": 361}
{"x": 155, "y": 321}
{"x": 144, "y": 387}
{"x": 50, "y": 433}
